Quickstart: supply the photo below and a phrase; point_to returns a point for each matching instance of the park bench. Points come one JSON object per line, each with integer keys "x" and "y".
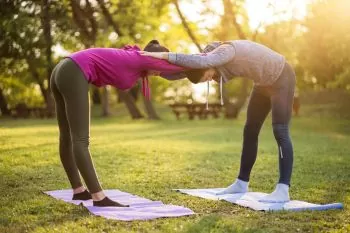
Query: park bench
{"x": 193, "y": 110}
{"x": 21, "y": 110}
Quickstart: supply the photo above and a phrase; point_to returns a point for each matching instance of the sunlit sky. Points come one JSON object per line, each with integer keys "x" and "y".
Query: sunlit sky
{"x": 260, "y": 12}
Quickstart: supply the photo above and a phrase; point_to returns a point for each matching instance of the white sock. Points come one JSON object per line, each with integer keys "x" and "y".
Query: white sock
{"x": 280, "y": 194}
{"x": 239, "y": 186}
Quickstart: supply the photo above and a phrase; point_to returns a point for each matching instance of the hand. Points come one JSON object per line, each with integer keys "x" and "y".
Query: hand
{"x": 159, "y": 55}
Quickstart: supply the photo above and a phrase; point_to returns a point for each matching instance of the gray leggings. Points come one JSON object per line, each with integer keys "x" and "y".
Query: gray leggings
{"x": 71, "y": 93}
{"x": 279, "y": 99}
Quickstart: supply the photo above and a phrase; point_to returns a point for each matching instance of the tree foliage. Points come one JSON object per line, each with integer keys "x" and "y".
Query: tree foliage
{"x": 35, "y": 34}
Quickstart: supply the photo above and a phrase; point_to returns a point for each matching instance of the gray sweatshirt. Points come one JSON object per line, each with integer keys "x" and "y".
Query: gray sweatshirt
{"x": 242, "y": 59}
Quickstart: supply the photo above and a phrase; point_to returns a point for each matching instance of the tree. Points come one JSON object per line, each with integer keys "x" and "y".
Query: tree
{"x": 234, "y": 24}
{"x": 126, "y": 28}
{"x": 3, "y": 104}
{"x": 325, "y": 47}
{"x": 87, "y": 24}
{"x": 26, "y": 40}
{"x": 46, "y": 25}
{"x": 22, "y": 40}
{"x": 126, "y": 97}
{"x": 186, "y": 26}
{"x": 229, "y": 29}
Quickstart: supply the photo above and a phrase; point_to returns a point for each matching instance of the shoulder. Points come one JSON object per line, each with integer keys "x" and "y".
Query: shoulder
{"x": 224, "y": 48}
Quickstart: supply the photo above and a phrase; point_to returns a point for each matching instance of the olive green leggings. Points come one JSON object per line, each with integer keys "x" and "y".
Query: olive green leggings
{"x": 71, "y": 93}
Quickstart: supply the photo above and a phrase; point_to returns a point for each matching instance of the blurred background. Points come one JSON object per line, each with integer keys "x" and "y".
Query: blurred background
{"x": 35, "y": 35}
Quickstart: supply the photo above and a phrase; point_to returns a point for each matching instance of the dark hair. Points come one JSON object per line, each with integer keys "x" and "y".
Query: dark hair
{"x": 154, "y": 46}
{"x": 195, "y": 75}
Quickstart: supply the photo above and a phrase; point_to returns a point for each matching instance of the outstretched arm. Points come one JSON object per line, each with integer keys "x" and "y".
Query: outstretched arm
{"x": 218, "y": 57}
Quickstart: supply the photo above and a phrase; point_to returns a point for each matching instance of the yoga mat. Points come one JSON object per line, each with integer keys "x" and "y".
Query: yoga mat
{"x": 251, "y": 200}
{"x": 140, "y": 208}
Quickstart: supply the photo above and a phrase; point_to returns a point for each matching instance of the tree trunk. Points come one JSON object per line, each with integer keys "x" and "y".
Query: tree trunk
{"x": 46, "y": 24}
{"x": 109, "y": 18}
{"x": 151, "y": 112}
{"x": 125, "y": 96}
{"x": 134, "y": 92}
{"x": 230, "y": 19}
{"x": 186, "y": 26}
{"x": 130, "y": 104}
{"x": 243, "y": 94}
{"x": 105, "y": 102}
{"x": 3, "y": 105}
{"x": 232, "y": 110}
{"x": 96, "y": 97}
{"x": 36, "y": 77}
{"x": 83, "y": 15}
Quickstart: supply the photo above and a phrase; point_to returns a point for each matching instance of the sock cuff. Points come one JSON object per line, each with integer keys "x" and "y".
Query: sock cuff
{"x": 239, "y": 181}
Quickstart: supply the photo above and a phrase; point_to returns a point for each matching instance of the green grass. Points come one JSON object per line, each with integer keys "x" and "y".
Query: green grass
{"x": 150, "y": 158}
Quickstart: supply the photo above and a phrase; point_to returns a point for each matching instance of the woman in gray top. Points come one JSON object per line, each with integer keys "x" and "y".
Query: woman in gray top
{"x": 274, "y": 83}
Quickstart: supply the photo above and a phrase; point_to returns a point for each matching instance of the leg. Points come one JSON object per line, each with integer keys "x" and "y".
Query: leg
{"x": 282, "y": 104}
{"x": 258, "y": 108}
{"x": 74, "y": 88}
{"x": 65, "y": 144}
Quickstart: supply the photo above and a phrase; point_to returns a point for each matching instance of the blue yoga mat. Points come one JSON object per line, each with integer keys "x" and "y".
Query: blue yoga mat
{"x": 251, "y": 200}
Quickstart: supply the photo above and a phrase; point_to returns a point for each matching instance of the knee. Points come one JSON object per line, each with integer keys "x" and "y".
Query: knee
{"x": 80, "y": 141}
{"x": 251, "y": 131}
{"x": 281, "y": 132}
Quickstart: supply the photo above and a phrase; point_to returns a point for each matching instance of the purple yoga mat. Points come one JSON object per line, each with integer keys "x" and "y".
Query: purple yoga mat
{"x": 140, "y": 208}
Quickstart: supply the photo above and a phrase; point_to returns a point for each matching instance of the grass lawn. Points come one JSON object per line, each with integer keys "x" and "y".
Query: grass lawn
{"x": 150, "y": 158}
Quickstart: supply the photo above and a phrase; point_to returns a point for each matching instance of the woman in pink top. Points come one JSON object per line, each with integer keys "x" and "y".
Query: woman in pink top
{"x": 70, "y": 80}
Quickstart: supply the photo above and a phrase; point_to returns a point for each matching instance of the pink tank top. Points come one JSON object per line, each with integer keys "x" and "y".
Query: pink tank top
{"x": 120, "y": 68}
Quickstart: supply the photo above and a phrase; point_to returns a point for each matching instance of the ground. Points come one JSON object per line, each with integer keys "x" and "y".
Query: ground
{"x": 149, "y": 158}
